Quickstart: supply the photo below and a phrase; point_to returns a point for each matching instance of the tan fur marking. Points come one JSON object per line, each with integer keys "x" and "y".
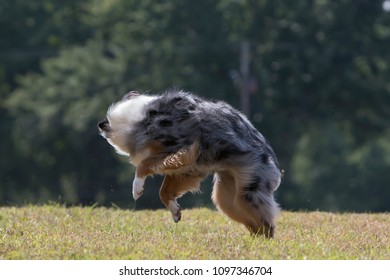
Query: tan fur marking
{"x": 181, "y": 158}
{"x": 175, "y": 186}
{"x": 162, "y": 164}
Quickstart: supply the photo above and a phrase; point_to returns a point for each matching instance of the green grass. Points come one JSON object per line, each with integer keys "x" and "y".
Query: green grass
{"x": 55, "y": 232}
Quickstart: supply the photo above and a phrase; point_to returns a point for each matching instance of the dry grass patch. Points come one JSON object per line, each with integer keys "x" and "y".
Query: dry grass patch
{"x": 55, "y": 232}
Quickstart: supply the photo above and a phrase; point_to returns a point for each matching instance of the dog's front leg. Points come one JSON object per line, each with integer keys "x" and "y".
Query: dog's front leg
{"x": 157, "y": 164}
{"x": 145, "y": 168}
{"x": 138, "y": 187}
{"x": 163, "y": 164}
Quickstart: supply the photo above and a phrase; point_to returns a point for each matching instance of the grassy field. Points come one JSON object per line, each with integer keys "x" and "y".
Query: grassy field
{"x": 55, "y": 232}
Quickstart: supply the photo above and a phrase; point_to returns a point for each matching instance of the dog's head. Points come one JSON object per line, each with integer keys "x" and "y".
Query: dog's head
{"x": 121, "y": 118}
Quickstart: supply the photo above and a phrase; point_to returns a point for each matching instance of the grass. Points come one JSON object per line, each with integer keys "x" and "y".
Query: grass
{"x": 56, "y": 232}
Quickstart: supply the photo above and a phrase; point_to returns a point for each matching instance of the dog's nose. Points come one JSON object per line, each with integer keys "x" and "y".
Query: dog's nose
{"x": 104, "y": 125}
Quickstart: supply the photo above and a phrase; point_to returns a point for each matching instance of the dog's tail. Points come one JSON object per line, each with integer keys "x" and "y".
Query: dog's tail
{"x": 259, "y": 193}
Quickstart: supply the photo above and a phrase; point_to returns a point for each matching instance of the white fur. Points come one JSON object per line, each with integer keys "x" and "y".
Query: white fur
{"x": 275, "y": 175}
{"x": 174, "y": 207}
{"x": 122, "y": 116}
{"x": 138, "y": 187}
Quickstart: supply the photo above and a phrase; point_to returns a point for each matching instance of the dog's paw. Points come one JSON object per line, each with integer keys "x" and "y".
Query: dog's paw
{"x": 175, "y": 209}
{"x": 138, "y": 187}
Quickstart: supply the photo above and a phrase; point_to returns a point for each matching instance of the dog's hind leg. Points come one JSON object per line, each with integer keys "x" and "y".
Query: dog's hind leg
{"x": 173, "y": 187}
{"x": 245, "y": 203}
{"x": 229, "y": 200}
{"x": 224, "y": 192}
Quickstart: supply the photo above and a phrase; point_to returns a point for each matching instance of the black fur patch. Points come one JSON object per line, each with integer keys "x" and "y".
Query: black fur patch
{"x": 170, "y": 141}
{"x": 187, "y": 142}
{"x": 226, "y": 152}
{"x": 268, "y": 186}
{"x": 165, "y": 123}
{"x": 177, "y": 99}
{"x": 191, "y": 108}
{"x": 264, "y": 158}
{"x": 153, "y": 113}
{"x": 221, "y": 155}
{"x": 255, "y": 185}
{"x": 249, "y": 197}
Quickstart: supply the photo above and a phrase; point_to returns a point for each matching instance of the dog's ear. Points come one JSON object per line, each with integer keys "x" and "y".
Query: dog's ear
{"x": 131, "y": 95}
{"x": 104, "y": 125}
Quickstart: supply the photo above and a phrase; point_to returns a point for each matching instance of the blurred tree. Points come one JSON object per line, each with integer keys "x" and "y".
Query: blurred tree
{"x": 32, "y": 30}
{"x": 59, "y": 110}
{"x": 319, "y": 64}
{"x": 155, "y": 46}
{"x": 349, "y": 178}
{"x": 322, "y": 97}
{"x": 29, "y": 31}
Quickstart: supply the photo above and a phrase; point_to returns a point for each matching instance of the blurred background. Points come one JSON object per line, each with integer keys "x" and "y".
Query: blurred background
{"x": 312, "y": 75}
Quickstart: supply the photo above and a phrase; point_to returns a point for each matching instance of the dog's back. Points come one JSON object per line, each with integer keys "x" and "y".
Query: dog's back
{"x": 176, "y": 119}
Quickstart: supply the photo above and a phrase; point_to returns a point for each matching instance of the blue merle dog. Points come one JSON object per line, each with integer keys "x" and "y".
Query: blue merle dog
{"x": 185, "y": 138}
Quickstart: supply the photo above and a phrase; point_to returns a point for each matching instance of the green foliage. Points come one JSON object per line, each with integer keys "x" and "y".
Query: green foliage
{"x": 322, "y": 95}
{"x": 350, "y": 176}
{"x": 52, "y": 232}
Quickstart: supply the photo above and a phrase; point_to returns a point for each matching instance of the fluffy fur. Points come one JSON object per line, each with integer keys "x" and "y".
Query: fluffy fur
{"x": 185, "y": 138}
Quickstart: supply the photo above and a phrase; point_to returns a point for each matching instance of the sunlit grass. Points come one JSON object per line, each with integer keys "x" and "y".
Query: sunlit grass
{"x": 56, "y": 232}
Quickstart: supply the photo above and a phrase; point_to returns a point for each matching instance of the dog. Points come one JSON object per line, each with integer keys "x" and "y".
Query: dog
{"x": 185, "y": 138}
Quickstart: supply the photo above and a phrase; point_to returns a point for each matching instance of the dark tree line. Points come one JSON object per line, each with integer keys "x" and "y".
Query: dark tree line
{"x": 319, "y": 82}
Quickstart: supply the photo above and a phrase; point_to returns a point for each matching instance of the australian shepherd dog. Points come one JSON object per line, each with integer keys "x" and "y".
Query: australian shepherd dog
{"x": 185, "y": 138}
